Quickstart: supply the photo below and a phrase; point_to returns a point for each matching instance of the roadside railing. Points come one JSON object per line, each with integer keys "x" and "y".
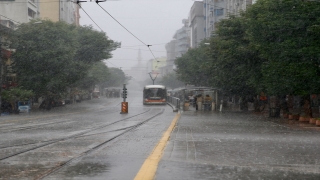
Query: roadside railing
{"x": 175, "y": 102}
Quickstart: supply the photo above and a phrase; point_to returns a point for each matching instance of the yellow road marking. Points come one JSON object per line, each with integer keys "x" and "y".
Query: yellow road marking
{"x": 150, "y": 165}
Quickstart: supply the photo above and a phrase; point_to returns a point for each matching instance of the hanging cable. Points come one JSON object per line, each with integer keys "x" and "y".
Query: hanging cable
{"x": 121, "y": 24}
{"x": 89, "y": 16}
{"x": 127, "y": 29}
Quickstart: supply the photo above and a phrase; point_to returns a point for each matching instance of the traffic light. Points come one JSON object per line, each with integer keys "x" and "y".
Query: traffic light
{"x": 124, "y": 93}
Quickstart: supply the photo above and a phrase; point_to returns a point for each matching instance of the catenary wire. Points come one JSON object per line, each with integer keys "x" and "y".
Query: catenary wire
{"x": 127, "y": 30}
{"x": 89, "y": 17}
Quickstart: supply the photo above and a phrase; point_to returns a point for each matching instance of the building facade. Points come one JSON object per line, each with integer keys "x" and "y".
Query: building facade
{"x": 177, "y": 47}
{"x": 19, "y": 11}
{"x": 196, "y": 24}
{"x": 233, "y": 7}
{"x": 214, "y": 11}
{"x": 66, "y": 11}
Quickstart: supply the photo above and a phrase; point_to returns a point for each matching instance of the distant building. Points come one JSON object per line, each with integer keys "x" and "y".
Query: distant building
{"x": 138, "y": 73}
{"x": 158, "y": 63}
{"x": 19, "y": 11}
{"x": 177, "y": 47}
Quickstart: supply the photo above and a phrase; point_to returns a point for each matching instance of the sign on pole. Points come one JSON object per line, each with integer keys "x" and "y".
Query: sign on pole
{"x": 124, "y": 104}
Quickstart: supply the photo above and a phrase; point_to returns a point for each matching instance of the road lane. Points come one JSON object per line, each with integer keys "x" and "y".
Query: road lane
{"x": 134, "y": 146}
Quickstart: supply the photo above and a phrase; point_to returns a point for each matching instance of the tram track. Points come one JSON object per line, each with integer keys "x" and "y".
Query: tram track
{"x": 96, "y": 147}
{"x": 52, "y": 141}
{"x": 12, "y": 128}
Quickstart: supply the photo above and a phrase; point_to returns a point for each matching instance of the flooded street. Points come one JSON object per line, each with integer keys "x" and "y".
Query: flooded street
{"x": 92, "y": 140}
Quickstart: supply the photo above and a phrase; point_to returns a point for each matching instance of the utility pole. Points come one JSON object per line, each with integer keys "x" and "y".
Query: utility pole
{"x": 0, "y": 74}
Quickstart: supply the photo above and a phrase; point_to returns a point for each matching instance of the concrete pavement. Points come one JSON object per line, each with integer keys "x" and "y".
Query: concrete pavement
{"x": 239, "y": 145}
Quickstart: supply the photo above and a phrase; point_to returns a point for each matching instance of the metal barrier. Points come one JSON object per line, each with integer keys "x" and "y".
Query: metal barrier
{"x": 175, "y": 102}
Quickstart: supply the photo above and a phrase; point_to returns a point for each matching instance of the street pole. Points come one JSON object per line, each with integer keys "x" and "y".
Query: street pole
{"x": 0, "y": 74}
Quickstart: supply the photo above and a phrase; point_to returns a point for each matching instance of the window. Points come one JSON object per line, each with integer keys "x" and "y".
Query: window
{"x": 218, "y": 12}
{"x": 31, "y": 13}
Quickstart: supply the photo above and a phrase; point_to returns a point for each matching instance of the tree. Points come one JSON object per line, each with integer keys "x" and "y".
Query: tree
{"x": 192, "y": 67}
{"x": 98, "y": 74}
{"x": 117, "y": 78}
{"x": 235, "y": 64}
{"x": 286, "y": 33}
{"x": 51, "y": 56}
{"x": 170, "y": 80}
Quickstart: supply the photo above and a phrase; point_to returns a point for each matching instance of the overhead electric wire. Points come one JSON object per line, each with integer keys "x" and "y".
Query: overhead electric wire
{"x": 127, "y": 30}
{"x": 144, "y": 45}
{"x": 111, "y": 63}
{"x": 90, "y": 17}
{"x": 121, "y": 25}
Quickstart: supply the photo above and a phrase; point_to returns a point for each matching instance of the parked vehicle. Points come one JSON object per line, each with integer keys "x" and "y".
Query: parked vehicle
{"x": 24, "y": 106}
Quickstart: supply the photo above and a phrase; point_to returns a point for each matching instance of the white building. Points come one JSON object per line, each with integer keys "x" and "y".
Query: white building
{"x": 233, "y": 7}
{"x": 19, "y": 11}
{"x": 197, "y": 24}
{"x": 214, "y": 11}
{"x": 177, "y": 47}
{"x": 204, "y": 16}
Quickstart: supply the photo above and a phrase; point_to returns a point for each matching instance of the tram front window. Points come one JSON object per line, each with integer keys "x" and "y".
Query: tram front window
{"x": 155, "y": 93}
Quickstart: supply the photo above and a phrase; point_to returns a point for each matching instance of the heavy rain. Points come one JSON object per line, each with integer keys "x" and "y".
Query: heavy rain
{"x": 159, "y": 89}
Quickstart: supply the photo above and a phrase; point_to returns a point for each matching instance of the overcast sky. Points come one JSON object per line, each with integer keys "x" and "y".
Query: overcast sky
{"x": 154, "y": 22}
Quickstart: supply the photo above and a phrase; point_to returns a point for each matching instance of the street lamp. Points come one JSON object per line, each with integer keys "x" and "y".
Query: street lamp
{"x": 153, "y": 79}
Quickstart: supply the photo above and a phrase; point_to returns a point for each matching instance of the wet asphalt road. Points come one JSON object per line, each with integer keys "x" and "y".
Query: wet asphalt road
{"x": 87, "y": 140}
{"x": 92, "y": 140}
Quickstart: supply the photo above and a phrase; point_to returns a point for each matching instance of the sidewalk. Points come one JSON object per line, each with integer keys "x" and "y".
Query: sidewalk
{"x": 239, "y": 145}
{"x": 235, "y": 108}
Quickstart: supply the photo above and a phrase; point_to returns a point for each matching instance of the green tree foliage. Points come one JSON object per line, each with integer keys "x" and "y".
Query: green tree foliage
{"x": 272, "y": 47}
{"x": 235, "y": 64}
{"x": 192, "y": 67}
{"x": 51, "y": 56}
{"x": 98, "y": 74}
{"x": 170, "y": 80}
{"x": 117, "y": 78}
{"x": 15, "y": 94}
{"x": 286, "y": 33}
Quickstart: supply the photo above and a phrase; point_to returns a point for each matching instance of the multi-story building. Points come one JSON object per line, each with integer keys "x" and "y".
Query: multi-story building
{"x": 214, "y": 11}
{"x": 177, "y": 47}
{"x": 19, "y": 11}
{"x": 207, "y": 13}
{"x": 67, "y": 11}
{"x": 234, "y": 7}
{"x": 197, "y": 24}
